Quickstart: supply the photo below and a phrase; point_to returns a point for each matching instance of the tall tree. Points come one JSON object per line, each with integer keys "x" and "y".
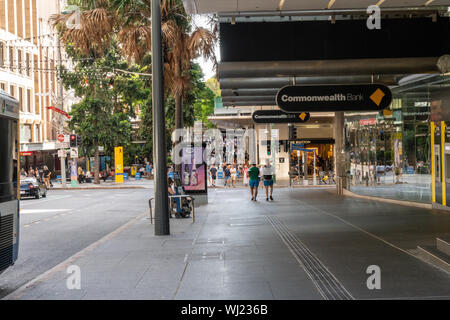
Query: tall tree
{"x": 129, "y": 20}
{"x": 108, "y": 100}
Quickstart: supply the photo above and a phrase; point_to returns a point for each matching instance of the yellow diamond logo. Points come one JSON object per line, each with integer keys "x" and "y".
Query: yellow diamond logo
{"x": 302, "y": 116}
{"x": 377, "y": 96}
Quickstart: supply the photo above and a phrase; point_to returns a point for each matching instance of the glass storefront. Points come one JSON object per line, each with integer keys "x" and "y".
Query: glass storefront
{"x": 389, "y": 152}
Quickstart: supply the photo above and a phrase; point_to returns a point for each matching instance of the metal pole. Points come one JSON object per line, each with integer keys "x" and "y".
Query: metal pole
{"x": 314, "y": 176}
{"x": 162, "y": 226}
{"x": 60, "y": 99}
{"x": 339, "y": 152}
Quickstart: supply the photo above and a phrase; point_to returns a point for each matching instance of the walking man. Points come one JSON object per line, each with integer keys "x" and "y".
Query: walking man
{"x": 253, "y": 174}
{"x": 267, "y": 172}
{"x": 213, "y": 172}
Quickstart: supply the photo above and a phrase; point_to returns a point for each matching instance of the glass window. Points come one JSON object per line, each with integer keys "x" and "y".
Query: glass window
{"x": 11, "y": 59}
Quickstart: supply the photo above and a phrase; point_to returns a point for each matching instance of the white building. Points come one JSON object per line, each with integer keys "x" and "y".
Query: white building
{"x": 28, "y": 65}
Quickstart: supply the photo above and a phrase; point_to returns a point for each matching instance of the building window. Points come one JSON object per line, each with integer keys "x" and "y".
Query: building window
{"x": 37, "y": 137}
{"x": 2, "y": 55}
{"x": 12, "y": 90}
{"x": 3, "y": 86}
{"x": 28, "y": 64}
{"x": 25, "y": 133}
{"x": 29, "y": 109}
{"x": 11, "y": 59}
{"x": 19, "y": 61}
{"x": 22, "y": 107}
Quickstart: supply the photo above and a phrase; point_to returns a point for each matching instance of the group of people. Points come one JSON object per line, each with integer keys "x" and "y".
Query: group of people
{"x": 251, "y": 177}
{"x": 43, "y": 173}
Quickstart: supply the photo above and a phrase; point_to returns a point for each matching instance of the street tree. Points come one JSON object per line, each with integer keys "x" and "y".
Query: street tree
{"x": 109, "y": 92}
{"x": 129, "y": 22}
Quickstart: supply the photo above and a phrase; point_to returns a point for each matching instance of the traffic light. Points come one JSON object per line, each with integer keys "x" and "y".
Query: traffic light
{"x": 73, "y": 140}
{"x": 78, "y": 140}
{"x": 292, "y": 132}
{"x": 268, "y": 147}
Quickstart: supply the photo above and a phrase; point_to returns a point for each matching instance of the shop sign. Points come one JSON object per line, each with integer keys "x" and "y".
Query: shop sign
{"x": 278, "y": 116}
{"x": 368, "y": 122}
{"x": 26, "y": 153}
{"x": 332, "y": 98}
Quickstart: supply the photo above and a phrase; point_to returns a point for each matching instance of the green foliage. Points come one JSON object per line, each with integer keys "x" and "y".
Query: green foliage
{"x": 202, "y": 96}
{"x": 108, "y": 100}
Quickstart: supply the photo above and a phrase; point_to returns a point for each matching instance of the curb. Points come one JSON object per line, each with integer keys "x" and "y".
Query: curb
{"x": 399, "y": 202}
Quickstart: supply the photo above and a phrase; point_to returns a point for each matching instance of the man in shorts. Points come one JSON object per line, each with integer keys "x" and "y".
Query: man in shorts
{"x": 227, "y": 175}
{"x": 267, "y": 172}
{"x": 213, "y": 172}
{"x": 253, "y": 174}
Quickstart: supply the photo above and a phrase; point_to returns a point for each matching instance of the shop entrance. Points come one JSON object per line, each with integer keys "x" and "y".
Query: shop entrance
{"x": 321, "y": 165}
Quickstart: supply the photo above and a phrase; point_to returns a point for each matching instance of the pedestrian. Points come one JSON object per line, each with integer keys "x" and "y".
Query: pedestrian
{"x": 148, "y": 170}
{"x": 31, "y": 172}
{"x": 253, "y": 174}
{"x": 267, "y": 172}
{"x": 47, "y": 174}
{"x": 227, "y": 174}
{"x": 213, "y": 173}
{"x": 23, "y": 173}
{"x": 245, "y": 175}
{"x": 233, "y": 173}
{"x": 80, "y": 175}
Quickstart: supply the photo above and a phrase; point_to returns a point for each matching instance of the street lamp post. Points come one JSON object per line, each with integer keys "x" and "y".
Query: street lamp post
{"x": 162, "y": 226}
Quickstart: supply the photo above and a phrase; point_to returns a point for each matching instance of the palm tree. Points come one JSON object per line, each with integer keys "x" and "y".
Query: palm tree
{"x": 129, "y": 20}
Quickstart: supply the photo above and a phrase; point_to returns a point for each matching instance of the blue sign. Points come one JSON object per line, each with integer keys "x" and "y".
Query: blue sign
{"x": 297, "y": 146}
{"x": 138, "y": 175}
{"x": 125, "y": 175}
{"x": 220, "y": 174}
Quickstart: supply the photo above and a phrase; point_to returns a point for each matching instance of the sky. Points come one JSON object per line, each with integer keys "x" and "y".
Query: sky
{"x": 201, "y": 20}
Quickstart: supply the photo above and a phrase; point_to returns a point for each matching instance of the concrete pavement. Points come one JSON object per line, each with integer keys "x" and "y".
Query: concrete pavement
{"x": 307, "y": 244}
{"x": 65, "y": 222}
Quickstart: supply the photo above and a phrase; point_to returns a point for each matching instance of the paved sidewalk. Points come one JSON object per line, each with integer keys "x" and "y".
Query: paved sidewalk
{"x": 307, "y": 244}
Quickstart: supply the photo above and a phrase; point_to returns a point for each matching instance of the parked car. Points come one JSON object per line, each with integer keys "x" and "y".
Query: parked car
{"x": 32, "y": 187}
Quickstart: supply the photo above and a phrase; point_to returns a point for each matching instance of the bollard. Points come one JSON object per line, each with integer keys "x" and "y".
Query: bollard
{"x": 151, "y": 212}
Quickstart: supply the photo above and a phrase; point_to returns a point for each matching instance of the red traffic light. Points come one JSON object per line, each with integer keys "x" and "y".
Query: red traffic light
{"x": 73, "y": 140}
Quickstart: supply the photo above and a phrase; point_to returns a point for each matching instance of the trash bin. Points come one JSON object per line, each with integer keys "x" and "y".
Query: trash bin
{"x": 138, "y": 176}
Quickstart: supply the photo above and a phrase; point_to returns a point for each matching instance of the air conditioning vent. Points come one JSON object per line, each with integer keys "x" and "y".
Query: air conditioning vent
{"x": 6, "y": 241}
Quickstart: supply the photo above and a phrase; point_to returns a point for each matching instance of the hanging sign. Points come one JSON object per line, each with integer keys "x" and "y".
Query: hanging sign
{"x": 332, "y": 98}
{"x": 278, "y": 116}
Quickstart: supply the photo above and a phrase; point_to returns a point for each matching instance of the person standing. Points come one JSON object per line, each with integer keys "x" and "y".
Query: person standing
{"x": 227, "y": 174}
{"x": 23, "y": 173}
{"x": 46, "y": 174}
{"x": 267, "y": 172}
{"x": 245, "y": 175}
{"x": 31, "y": 172}
{"x": 233, "y": 172}
{"x": 213, "y": 173}
{"x": 253, "y": 174}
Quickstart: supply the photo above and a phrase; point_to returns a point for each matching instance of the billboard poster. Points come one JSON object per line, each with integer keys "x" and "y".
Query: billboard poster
{"x": 73, "y": 173}
{"x": 193, "y": 169}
